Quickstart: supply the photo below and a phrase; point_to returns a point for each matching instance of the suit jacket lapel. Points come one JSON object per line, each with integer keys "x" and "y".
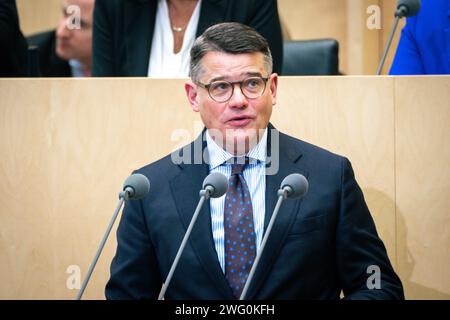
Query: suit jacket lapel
{"x": 185, "y": 189}
{"x": 139, "y": 25}
{"x": 288, "y": 158}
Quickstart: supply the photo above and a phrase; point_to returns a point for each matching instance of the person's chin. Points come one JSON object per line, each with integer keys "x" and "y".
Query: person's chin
{"x": 61, "y": 53}
{"x": 241, "y": 140}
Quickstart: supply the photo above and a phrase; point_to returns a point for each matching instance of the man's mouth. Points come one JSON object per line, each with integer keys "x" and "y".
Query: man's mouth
{"x": 240, "y": 121}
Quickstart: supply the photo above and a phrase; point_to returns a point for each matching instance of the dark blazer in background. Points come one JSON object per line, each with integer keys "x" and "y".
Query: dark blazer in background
{"x": 123, "y": 30}
{"x": 50, "y": 65}
{"x": 319, "y": 245}
{"x": 13, "y": 46}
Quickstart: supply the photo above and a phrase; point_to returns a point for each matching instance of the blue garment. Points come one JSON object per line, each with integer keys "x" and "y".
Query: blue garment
{"x": 424, "y": 46}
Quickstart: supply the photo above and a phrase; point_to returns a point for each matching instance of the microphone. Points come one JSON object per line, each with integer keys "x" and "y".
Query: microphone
{"x": 294, "y": 186}
{"x": 405, "y": 8}
{"x": 215, "y": 185}
{"x": 135, "y": 187}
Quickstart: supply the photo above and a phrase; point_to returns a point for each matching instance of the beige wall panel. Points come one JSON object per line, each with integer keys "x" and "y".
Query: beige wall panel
{"x": 362, "y": 54}
{"x": 66, "y": 148}
{"x": 423, "y": 185}
{"x": 38, "y": 15}
{"x": 60, "y": 137}
{"x": 351, "y": 116}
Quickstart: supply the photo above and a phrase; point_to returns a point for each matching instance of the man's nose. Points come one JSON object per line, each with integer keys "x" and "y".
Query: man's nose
{"x": 238, "y": 99}
{"x": 62, "y": 31}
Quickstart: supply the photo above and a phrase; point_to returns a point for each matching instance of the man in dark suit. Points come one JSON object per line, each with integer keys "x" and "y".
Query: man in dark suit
{"x": 124, "y": 29}
{"x": 320, "y": 245}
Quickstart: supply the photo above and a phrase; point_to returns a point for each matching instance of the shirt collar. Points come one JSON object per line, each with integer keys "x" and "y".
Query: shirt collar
{"x": 217, "y": 155}
{"x": 77, "y": 68}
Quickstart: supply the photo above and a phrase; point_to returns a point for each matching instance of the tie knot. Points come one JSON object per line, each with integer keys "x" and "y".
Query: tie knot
{"x": 238, "y": 164}
{"x": 237, "y": 168}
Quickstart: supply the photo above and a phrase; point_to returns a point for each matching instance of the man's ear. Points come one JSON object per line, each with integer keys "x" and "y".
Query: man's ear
{"x": 191, "y": 93}
{"x": 273, "y": 87}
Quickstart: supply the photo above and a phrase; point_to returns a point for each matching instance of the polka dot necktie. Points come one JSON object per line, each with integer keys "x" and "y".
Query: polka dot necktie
{"x": 240, "y": 249}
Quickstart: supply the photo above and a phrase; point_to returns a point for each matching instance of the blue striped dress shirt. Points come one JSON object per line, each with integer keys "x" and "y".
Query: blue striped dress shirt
{"x": 255, "y": 176}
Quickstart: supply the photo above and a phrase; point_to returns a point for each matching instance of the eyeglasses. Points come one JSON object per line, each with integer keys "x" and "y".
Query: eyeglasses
{"x": 222, "y": 91}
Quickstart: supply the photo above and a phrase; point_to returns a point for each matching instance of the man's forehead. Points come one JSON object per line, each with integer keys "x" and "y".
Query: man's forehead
{"x": 220, "y": 65}
{"x": 237, "y": 76}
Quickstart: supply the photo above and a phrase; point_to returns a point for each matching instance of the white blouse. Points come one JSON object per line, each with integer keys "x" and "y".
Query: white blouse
{"x": 163, "y": 63}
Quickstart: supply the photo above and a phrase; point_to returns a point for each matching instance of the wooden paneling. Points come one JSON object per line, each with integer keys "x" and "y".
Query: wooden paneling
{"x": 67, "y": 145}
{"x": 423, "y": 185}
{"x": 66, "y": 148}
{"x": 351, "y": 116}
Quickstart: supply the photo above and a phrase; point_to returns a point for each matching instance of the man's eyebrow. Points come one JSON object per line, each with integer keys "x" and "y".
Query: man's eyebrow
{"x": 252, "y": 74}
{"x": 245, "y": 74}
{"x": 217, "y": 78}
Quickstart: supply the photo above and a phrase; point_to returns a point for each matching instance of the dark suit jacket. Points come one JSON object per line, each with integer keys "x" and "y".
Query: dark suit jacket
{"x": 13, "y": 46}
{"x": 123, "y": 31}
{"x": 319, "y": 245}
{"x": 50, "y": 65}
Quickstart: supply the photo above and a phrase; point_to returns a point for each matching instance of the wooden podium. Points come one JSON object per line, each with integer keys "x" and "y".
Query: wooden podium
{"x": 67, "y": 145}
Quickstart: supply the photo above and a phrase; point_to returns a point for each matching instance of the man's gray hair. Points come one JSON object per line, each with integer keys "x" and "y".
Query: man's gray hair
{"x": 228, "y": 37}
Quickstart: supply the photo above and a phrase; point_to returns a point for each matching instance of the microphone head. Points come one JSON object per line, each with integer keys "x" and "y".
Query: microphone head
{"x": 297, "y": 185}
{"x": 218, "y": 182}
{"x": 408, "y": 8}
{"x": 138, "y": 186}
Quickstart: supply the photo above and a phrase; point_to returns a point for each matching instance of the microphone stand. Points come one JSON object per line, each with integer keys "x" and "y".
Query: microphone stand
{"x": 204, "y": 195}
{"x": 388, "y": 45}
{"x": 400, "y": 13}
{"x": 122, "y": 197}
